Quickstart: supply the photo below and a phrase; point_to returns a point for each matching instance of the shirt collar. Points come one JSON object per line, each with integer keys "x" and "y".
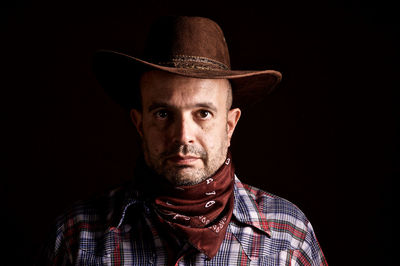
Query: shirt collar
{"x": 247, "y": 212}
{"x": 122, "y": 200}
{"x": 246, "y": 209}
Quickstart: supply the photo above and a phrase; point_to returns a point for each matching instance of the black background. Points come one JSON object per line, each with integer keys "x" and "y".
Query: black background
{"x": 326, "y": 139}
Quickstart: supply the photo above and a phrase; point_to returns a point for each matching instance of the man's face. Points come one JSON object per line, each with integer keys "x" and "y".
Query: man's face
{"x": 185, "y": 125}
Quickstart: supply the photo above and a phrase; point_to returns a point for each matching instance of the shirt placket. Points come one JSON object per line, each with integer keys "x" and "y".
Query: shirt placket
{"x": 159, "y": 256}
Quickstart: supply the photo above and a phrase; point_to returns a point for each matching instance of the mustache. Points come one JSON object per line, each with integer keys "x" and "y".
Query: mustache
{"x": 185, "y": 150}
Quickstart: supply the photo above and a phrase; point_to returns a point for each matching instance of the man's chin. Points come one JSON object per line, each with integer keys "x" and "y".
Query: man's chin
{"x": 185, "y": 176}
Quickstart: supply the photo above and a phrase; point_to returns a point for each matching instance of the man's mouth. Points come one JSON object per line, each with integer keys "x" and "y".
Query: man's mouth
{"x": 183, "y": 159}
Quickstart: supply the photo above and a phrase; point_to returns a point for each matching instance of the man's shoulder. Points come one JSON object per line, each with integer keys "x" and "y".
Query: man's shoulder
{"x": 80, "y": 226}
{"x": 273, "y": 207}
{"x": 289, "y": 231}
{"x": 96, "y": 210}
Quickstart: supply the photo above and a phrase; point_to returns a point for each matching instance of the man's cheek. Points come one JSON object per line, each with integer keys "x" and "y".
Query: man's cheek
{"x": 160, "y": 142}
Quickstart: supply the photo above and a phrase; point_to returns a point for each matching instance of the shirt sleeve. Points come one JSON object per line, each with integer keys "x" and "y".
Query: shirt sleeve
{"x": 54, "y": 251}
{"x": 309, "y": 252}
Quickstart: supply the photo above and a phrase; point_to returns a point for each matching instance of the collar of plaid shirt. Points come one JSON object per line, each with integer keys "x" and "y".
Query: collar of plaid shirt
{"x": 245, "y": 211}
{"x": 142, "y": 191}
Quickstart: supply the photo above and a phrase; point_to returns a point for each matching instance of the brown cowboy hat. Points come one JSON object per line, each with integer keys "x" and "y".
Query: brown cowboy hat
{"x": 187, "y": 46}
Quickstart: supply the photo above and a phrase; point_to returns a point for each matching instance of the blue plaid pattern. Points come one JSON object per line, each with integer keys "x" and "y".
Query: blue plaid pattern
{"x": 120, "y": 229}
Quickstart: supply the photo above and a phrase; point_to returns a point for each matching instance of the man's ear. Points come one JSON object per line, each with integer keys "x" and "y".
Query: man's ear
{"x": 233, "y": 118}
{"x": 137, "y": 119}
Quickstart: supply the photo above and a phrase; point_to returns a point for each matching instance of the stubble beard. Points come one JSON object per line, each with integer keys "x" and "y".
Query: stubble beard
{"x": 185, "y": 175}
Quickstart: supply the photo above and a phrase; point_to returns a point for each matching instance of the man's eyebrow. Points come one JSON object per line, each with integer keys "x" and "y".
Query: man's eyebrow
{"x": 156, "y": 105}
{"x": 208, "y": 105}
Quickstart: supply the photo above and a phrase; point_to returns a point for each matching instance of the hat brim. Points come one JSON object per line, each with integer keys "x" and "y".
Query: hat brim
{"x": 119, "y": 75}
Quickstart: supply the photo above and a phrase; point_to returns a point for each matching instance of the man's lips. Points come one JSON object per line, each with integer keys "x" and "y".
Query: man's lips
{"x": 183, "y": 160}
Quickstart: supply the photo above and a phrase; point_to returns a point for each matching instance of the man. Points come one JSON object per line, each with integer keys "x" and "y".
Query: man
{"x": 185, "y": 205}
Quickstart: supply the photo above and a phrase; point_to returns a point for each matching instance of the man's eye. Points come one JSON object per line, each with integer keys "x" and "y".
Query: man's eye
{"x": 204, "y": 114}
{"x": 162, "y": 114}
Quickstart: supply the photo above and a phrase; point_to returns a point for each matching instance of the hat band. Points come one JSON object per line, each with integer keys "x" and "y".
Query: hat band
{"x": 194, "y": 62}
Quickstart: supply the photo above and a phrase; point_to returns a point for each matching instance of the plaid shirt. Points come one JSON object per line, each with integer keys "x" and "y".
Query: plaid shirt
{"x": 120, "y": 229}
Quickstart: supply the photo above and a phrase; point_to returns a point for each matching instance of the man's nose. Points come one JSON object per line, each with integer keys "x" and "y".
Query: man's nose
{"x": 183, "y": 132}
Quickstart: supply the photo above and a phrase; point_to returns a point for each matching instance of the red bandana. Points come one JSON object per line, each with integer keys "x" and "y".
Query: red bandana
{"x": 200, "y": 213}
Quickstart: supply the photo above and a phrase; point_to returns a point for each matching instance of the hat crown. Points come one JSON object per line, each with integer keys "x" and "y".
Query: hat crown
{"x": 187, "y": 42}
